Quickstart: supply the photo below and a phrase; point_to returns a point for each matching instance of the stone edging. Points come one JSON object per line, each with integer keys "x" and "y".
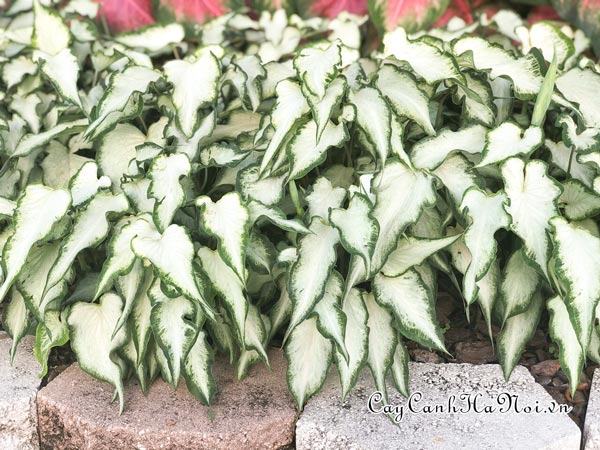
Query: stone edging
{"x": 75, "y": 412}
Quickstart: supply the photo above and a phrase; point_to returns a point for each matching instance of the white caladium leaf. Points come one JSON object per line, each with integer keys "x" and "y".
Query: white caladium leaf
{"x": 261, "y": 253}
{"x": 401, "y": 194}
{"x": 90, "y": 228}
{"x": 429, "y": 153}
{"x": 38, "y": 209}
{"x": 427, "y": 60}
{"x": 358, "y": 229}
{"x": 7, "y": 207}
{"x": 399, "y": 368}
{"x": 121, "y": 87}
{"x": 50, "y": 33}
{"x": 228, "y": 286}
{"x": 549, "y": 39}
{"x": 174, "y": 327}
{"x": 316, "y": 67}
{"x": 580, "y": 87}
{"x": 197, "y": 370}
{"x": 531, "y": 196}
{"x": 413, "y": 306}
{"x": 190, "y": 146}
{"x": 154, "y": 38}
{"x": 136, "y": 190}
{"x": 369, "y": 102}
{"x": 223, "y": 337}
{"x": 487, "y": 293}
{"x": 26, "y": 106}
{"x": 86, "y": 183}
{"x": 412, "y": 251}
{"x": 31, "y": 142}
{"x": 307, "y": 281}
{"x": 586, "y": 141}
{"x": 186, "y": 76}
{"x": 227, "y": 220}
{"x": 382, "y": 341}
{"x": 396, "y": 146}
{"x": 219, "y": 155}
{"x": 256, "y": 332}
{"x": 127, "y": 286}
{"x": 577, "y": 256}
{"x": 15, "y": 320}
{"x": 52, "y": 332}
{"x": 276, "y": 216}
{"x": 355, "y": 341}
{"x": 305, "y": 151}
{"x": 120, "y": 256}
{"x": 509, "y": 140}
{"x": 91, "y": 327}
{"x": 17, "y": 69}
{"x": 562, "y": 158}
{"x": 141, "y": 328}
{"x": 290, "y": 107}
{"x": 457, "y": 174}
{"x": 171, "y": 253}
{"x": 517, "y": 332}
{"x": 32, "y": 279}
{"x": 247, "y": 76}
{"x": 282, "y": 309}
{"x": 478, "y": 100}
{"x": 520, "y": 281}
{"x": 578, "y": 201}
{"x": 268, "y": 190}
{"x": 331, "y": 318}
{"x": 524, "y": 72}
{"x": 404, "y": 95}
{"x": 486, "y": 214}
{"x": 309, "y": 355}
{"x": 62, "y": 70}
{"x": 322, "y": 108}
{"x": 571, "y": 355}
{"x": 324, "y": 197}
{"x": 166, "y": 172}
{"x": 117, "y": 152}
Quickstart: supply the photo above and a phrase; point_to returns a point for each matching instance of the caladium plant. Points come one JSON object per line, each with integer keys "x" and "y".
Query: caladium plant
{"x": 271, "y": 185}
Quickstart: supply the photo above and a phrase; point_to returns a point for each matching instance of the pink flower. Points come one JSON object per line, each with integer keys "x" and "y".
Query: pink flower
{"x": 194, "y": 10}
{"x": 456, "y": 8}
{"x": 331, "y": 8}
{"x": 126, "y": 15}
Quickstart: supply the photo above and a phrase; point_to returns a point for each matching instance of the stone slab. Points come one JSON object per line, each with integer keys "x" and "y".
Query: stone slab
{"x": 591, "y": 425}
{"x": 76, "y": 413}
{"x": 329, "y": 423}
{"x": 19, "y": 384}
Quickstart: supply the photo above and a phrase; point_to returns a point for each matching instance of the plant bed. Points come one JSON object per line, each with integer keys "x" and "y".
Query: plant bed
{"x": 174, "y": 193}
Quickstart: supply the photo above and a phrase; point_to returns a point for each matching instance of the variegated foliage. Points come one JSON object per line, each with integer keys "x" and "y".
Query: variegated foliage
{"x": 274, "y": 186}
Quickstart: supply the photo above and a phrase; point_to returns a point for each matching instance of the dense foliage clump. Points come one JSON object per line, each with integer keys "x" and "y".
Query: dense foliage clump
{"x": 165, "y": 196}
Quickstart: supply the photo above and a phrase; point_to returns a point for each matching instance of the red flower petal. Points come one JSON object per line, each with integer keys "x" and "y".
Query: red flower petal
{"x": 126, "y": 15}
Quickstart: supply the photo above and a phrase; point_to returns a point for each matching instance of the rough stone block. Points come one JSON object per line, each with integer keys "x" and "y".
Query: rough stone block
{"x": 329, "y": 423}
{"x": 19, "y": 384}
{"x": 76, "y": 413}
{"x": 591, "y": 426}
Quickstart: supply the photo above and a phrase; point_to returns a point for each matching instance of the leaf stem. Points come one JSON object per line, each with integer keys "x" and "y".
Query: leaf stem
{"x": 295, "y": 198}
